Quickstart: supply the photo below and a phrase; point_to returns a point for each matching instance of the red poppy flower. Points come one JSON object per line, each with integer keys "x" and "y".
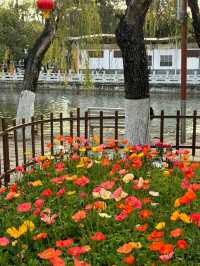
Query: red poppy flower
{"x": 195, "y": 217}
{"x": 82, "y": 181}
{"x": 181, "y": 244}
{"x": 47, "y": 193}
{"x": 141, "y": 228}
{"x": 61, "y": 192}
{"x": 24, "y": 207}
{"x": 39, "y": 203}
{"x": 59, "y": 167}
{"x": 129, "y": 260}
{"x": 98, "y": 236}
{"x": 2, "y": 190}
{"x": 77, "y": 251}
{"x": 64, "y": 243}
{"x": 166, "y": 249}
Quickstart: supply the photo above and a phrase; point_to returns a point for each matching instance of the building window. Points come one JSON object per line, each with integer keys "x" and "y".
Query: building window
{"x": 166, "y": 60}
{"x": 95, "y": 54}
{"x": 117, "y": 54}
{"x": 149, "y": 60}
{"x": 193, "y": 53}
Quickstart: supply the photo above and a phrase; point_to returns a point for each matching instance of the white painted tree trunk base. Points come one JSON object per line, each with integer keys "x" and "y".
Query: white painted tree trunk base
{"x": 137, "y": 121}
{"x": 25, "y": 110}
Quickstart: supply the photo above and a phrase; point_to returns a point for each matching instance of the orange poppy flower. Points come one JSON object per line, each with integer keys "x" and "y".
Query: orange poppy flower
{"x": 126, "y": 248}
{"x": 145, "y": 214}
{"x": 49, "y": 253}
{"x": 40, "y": 236}
{"x": 156, "y": 246}
{"x": 78, "y": 216}
{"x": 176, "y": 232}
{"x": 155, "y": 235}
{"x": 56, "y": 261}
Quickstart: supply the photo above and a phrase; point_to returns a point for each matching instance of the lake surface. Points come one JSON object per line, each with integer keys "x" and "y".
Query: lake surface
{"x": 57, "y": 101}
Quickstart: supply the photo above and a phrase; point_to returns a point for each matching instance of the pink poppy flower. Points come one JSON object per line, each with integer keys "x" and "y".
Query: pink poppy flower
{"x": 134, "y": 202}
{"x": 120, "y": 217}
{"x": 78, "y": 216}
{"x": 98, "y": 236}
{"x": 58, "y": 180}
{"x": 107, "y": 185}
{"x": 166, "y": 257}
{"x": 82, "y": 181}
{"x": 83, "y": 194}
{"x": 64, "y": 243}
{"x": 24, "y": 207}
{"x": 80, "y": 263}
{"x": 4, "y": 241}
{"x": 59, "y": 167}
{"x": 47, "y": 217}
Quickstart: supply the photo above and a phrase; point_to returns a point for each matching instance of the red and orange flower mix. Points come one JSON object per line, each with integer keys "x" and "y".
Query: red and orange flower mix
{"x": 103, "y": 208}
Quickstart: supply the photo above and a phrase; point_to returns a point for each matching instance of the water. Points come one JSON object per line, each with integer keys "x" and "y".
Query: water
{"x": 57, "y": 101}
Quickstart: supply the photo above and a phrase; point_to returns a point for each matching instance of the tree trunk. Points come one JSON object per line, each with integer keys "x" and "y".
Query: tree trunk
{"x": 33, "y": 64}
{"x": 194, "y": 6}
{"x": 35, "y": 56}
{"x": 130, "y": 39}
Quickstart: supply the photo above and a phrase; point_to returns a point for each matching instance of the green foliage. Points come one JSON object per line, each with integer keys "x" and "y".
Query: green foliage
{"x": 15, "y": 34}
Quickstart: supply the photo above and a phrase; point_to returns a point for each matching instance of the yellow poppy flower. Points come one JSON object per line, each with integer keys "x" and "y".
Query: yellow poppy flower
{"x": 174, "y": 216}
{"x": 177, "y": 203}
{"x": 160, "y": 226}
{"x": 70, "y": 193}
{"x": 13, "y": 232}
{"x": 82, "y": 149}
{"x": 36, "y": 183}
{"x": 136, "y": 245}
{"x": 185, "y": 218}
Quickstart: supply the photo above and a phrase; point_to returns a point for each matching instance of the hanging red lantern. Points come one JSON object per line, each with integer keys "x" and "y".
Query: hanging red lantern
{"x": 46, "y": 6}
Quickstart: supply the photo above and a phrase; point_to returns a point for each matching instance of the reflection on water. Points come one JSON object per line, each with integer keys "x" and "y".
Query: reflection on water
{"x": 58, "y": 101}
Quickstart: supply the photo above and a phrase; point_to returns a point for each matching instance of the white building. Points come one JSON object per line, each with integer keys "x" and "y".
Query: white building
{"x": 163, "y": 54}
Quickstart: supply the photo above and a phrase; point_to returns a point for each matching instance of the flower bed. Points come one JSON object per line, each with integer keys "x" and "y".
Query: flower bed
{"x": 99, "y": 207}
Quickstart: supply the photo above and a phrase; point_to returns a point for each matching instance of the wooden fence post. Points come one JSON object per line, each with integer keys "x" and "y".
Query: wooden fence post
{"x": 6, "y": 157}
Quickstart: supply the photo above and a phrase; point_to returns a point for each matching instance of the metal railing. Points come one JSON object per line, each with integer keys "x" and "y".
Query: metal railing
{"x": 16, "y": 149}
{"x": 156, "y": 77}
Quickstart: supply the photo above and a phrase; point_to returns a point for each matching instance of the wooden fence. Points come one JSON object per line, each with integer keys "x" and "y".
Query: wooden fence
{"x": 16, "y": 149}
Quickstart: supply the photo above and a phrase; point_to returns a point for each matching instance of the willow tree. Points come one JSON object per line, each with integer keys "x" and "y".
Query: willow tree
{"x": 68, "y": 18}
{"x": 195, "y": 7}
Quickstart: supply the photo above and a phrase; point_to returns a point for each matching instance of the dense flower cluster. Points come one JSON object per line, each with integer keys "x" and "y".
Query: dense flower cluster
{"x": 92, "y": 206}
